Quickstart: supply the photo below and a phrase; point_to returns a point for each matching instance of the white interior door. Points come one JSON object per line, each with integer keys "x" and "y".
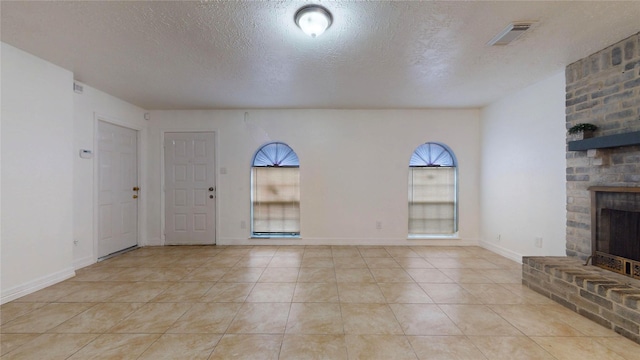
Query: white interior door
{"x": 190, "y": 196}
{"x": 117, "y": 184}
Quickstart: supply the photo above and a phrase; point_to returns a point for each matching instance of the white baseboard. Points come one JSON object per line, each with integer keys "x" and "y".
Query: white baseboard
{"x": 152, "y": 242}
{"x": 83, "y": 262}
{"x": 509, "y": 254}
{"x": 349, "y": 241}
{"x": 35, "y": 285}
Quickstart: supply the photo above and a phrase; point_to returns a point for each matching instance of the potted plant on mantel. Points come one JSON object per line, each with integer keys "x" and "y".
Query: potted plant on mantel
{"x": 581, "y": 131}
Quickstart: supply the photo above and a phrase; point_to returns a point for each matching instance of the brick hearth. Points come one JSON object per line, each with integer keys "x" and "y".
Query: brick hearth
{"x": 609, "y": 299}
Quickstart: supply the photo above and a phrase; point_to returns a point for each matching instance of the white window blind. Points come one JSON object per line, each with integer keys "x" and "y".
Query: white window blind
{"x": 276, "y": 200}
{"x": 432, "y": 195}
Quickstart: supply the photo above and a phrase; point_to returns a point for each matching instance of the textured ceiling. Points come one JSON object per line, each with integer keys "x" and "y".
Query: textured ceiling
{"x": 250, "y": 54}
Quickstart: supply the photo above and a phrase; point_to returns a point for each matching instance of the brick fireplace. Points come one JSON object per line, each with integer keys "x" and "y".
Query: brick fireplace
{"x": 602, "y": 89}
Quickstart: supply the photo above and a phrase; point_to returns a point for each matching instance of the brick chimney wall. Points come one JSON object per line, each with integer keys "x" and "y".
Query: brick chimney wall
{"x": 602, "y": 89}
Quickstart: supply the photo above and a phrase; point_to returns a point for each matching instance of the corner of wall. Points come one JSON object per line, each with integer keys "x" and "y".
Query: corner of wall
{"x": 509, "y": 254}
{"x": 35, "y": 285}
{"x": 522, "y": 181}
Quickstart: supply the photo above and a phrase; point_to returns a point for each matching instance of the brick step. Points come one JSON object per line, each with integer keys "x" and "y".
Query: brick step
{"x": 609, "y": 299}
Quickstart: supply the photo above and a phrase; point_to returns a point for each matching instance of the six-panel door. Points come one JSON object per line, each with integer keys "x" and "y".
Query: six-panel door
{"x": 117, "y": 181}
{"x": 189, "y": 188}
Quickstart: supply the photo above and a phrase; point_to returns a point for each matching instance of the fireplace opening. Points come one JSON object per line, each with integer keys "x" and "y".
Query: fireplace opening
{"x": 615, "y": 212}
{"x": 622, "y": 238}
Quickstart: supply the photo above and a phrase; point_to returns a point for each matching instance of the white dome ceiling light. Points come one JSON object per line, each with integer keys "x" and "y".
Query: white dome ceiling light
{"x": 313, "y": 19}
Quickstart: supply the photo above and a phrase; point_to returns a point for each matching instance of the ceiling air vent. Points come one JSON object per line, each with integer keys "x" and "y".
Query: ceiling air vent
{"x": 78, "y": 88}
{"x": 510, "y": 33}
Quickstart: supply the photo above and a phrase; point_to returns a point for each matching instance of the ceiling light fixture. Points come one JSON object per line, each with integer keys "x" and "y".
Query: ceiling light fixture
{"x": 510, "y": 33}
{"x": 313, "y": 19}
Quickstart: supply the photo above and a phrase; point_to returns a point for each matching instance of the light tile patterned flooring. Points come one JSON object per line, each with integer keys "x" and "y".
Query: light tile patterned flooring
{"x": 290, "y": 302}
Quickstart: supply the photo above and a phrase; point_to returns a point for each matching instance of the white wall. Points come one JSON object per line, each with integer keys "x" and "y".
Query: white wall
{"x": 37, "y": 173}
{"x": 522, "y": 184}
{"x": 48, "y": 190}
{"x": 89, "y": 107}
{"x": 353, "y": 164}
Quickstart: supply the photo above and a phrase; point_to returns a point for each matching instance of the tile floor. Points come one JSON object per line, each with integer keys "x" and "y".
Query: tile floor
{"x": 266, "y": 302}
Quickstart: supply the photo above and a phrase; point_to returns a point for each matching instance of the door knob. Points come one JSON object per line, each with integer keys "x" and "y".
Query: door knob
{"x": 135, "y": 196}
{"x": 135, "y": 188}
{"x": 211, "y": 188}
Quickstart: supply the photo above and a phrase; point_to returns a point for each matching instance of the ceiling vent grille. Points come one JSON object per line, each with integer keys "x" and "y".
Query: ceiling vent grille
{"x": 510, "y": 33}
{"x": 78, "y": 88}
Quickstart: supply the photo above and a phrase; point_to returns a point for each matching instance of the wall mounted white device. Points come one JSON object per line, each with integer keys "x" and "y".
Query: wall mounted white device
{"x": 86, "y": 154}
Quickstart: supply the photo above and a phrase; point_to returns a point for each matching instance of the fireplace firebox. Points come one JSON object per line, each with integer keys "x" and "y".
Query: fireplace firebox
{"x": 615, "y": 229}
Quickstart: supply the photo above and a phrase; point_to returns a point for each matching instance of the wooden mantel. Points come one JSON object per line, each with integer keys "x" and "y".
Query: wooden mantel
{"x": 608, "y": 141}
{"x": 621, "y": 189}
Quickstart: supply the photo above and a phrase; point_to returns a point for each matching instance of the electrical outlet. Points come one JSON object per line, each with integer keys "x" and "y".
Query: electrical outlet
{"x": 499, "y": 238}
{"x": 538, "y": 242}
{"x": 243, "y": 224}
{"x": 378, "y": 225}
{"x": 75, "y": 242}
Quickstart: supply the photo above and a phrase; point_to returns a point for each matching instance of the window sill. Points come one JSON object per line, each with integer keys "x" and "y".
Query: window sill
{"x": 434, "y": 237}
{"x": 275, "y": 238}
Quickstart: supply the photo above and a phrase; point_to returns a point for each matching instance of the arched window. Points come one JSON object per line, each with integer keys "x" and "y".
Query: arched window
{"x": 433, "y": 191}
{"x": 275, "y": 191}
